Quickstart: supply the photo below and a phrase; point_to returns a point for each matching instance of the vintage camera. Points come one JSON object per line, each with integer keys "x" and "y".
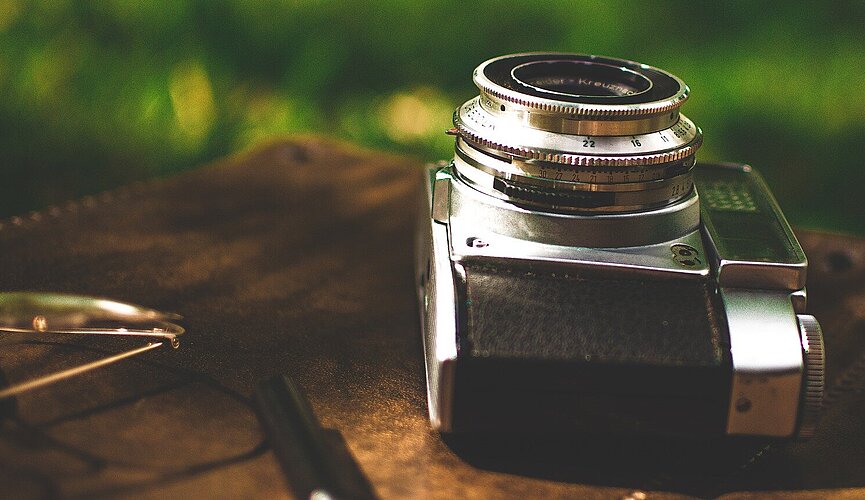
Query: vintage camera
{"x": 578, "y": 271}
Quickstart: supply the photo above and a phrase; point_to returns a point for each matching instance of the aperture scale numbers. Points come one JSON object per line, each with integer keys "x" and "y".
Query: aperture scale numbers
{"x": 612, "y": 175}
{"x": 478, "y": 115}
{"x": 636, "y": 141}
{"x": 589, "y": 142}
{"x": 474, "y": 119}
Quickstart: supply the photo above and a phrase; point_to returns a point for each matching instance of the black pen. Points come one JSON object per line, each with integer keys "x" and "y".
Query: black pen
{"x": 315, "y": 461}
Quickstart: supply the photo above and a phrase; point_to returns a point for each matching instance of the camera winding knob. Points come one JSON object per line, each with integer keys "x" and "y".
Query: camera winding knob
{"x": 814, "y": 380}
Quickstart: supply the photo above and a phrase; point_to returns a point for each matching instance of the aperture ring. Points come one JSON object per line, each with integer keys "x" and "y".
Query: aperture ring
{"x": 478, "y": 126}
{"x": 582, "y": 160}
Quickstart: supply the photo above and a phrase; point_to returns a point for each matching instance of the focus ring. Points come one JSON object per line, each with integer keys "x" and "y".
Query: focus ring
{"x": 582, "y": 160}
{"x": 814, "y": 377}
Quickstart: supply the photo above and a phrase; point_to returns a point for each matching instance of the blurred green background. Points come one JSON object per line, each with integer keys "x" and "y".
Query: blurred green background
{"x": 102, "y": 93}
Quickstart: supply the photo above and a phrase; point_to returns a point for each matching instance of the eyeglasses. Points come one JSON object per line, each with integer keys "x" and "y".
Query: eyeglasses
{"x": 39, "y": 313}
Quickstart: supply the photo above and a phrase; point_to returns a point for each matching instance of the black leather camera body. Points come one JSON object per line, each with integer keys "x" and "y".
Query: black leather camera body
{"x": 578, "y": 271}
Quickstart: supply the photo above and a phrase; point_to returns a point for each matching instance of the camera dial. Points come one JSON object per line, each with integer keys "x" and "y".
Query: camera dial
{"x": 576, "y": 133}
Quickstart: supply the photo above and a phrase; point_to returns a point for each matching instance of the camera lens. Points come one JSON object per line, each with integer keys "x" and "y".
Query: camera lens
{"x": 576, "y": 133}
{"x": 580, "y": 79}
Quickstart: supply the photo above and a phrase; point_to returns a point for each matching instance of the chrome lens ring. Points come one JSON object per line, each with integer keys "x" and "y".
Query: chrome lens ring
{"x": 479, "y": 127}
{"x": 595, "y": 190}
{"x": 547, "y": 126}
{"x": 580, "y": 85}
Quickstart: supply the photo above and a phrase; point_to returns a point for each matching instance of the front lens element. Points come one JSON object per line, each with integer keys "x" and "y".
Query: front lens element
{"x": 578, "y": 79}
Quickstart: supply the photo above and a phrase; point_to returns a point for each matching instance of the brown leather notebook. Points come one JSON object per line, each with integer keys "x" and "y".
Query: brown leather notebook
{"x": 297, "y": 258}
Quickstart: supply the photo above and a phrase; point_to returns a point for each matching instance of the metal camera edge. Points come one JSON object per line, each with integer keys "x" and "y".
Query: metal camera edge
{"x": 578, "y": 270}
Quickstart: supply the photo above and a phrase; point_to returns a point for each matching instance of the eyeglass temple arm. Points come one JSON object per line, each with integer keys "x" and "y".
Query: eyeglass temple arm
{"x": 72, "y": 372}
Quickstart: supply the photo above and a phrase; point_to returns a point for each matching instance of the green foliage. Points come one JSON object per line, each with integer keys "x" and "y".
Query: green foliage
{"x": 100, "y": 93}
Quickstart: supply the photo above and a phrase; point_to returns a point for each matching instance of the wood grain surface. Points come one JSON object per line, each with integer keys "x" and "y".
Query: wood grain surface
{"x": 297, "y": 258}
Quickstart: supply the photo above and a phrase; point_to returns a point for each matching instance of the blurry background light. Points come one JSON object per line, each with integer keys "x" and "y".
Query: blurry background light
{"x": 192, "y": 100}
{"x": 97, "y": 94}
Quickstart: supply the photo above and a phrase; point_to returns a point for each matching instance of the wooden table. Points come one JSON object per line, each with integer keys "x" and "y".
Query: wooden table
{"x": 297, "y": 258}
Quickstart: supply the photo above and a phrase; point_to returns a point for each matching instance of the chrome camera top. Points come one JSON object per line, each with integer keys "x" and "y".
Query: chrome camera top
{"x": 578, "y": 271}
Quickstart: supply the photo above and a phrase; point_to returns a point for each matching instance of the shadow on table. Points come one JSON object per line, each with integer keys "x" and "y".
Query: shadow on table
{"x": 834, "y": 458}
{"x": 705, "y": 468}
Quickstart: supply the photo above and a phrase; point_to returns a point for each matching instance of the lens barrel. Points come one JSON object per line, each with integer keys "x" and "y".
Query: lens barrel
{"x": 576, "y": 133}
